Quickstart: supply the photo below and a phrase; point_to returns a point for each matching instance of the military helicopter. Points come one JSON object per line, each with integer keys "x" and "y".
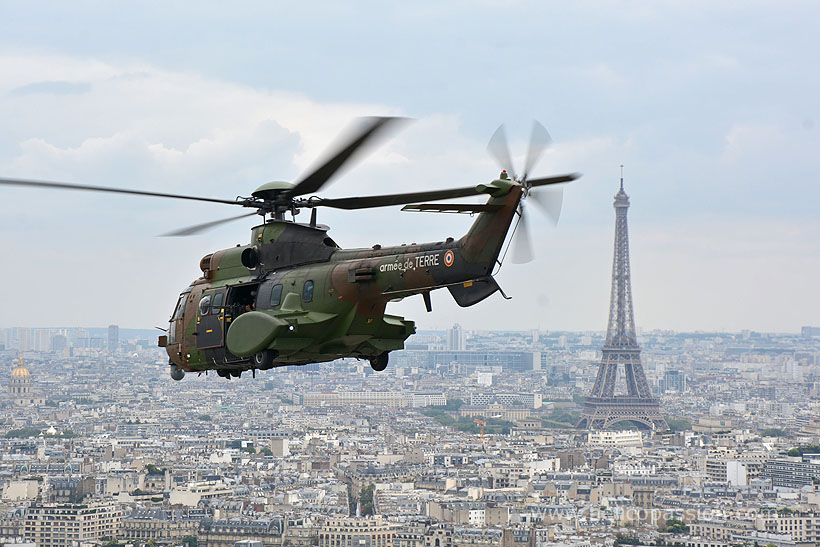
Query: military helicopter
{"x": 292, "y": 296}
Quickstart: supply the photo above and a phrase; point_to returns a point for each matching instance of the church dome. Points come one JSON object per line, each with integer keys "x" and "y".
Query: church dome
{"x": 20, "y": 372}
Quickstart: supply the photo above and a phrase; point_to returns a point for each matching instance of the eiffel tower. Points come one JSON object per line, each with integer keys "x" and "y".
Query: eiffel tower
{"x": 603, "y": 407}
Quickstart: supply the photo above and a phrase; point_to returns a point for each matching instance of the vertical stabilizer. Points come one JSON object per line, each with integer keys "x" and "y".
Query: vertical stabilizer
{"x": 483, "y": 241}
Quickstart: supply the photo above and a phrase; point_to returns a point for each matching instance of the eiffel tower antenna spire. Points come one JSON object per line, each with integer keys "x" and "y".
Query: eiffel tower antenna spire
{"x": 604, "y": 407}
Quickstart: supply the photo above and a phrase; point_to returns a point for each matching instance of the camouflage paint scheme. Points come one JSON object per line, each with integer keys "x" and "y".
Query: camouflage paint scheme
{"x": 345, "y": 314}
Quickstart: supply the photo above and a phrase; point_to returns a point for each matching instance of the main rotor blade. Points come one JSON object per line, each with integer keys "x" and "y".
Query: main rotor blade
{"x": 522, "y": 247}
{"x": 322, "y": 174}
{"x": 69, "y": 186}
{"x": 539, "y": 140}
{"x": 204, "y": 227}
{"x": 498, "y": 148}
{"x": 549, "y": 201}
{"x": 367, "y": 202}
{"x": 387, "y": 200}
{"x": 543, "y": 181}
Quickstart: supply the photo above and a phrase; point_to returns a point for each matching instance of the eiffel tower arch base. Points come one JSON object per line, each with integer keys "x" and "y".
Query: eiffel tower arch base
{"x": 604, "y": 412}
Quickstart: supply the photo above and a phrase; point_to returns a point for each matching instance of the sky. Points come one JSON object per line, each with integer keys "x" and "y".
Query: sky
{"x": 712, "y": 107}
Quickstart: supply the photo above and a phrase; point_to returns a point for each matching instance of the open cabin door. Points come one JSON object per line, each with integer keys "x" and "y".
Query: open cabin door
{"x": 217, "y": 309}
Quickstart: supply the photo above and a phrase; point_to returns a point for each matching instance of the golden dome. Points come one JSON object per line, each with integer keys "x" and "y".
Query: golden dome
{"x": 20, "y": 371}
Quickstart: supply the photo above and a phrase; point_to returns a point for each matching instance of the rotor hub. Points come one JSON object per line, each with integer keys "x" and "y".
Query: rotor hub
{"x": 273, "y": 190}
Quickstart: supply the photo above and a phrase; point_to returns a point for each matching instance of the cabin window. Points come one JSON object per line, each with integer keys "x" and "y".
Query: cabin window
{"x": 307, "y": 292}
{"x": 275, "y": 296}
{"x": 204, "y": 305}
{"x": 216, "y": 307}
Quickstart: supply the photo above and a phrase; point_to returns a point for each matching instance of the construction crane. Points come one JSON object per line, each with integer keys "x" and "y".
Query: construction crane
{"x": 482, "y": 424}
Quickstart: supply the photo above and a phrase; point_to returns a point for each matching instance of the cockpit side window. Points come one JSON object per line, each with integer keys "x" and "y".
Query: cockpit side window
{"x": 183, "y": 299}
{"x": 307, "y": 291}
{"x": 204, "y": 305}
{"x": 275, "y": 296}
{"x": 178, "y": 312}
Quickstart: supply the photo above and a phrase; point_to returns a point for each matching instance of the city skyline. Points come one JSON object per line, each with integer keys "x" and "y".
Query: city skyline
{"x": 474, "y": 447}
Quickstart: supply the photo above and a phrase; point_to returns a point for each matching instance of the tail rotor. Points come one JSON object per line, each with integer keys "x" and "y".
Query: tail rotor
{"x": 548, "y": 200}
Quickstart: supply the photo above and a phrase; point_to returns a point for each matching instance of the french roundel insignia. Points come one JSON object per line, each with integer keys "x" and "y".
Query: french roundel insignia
{"x": 449, "y": 258}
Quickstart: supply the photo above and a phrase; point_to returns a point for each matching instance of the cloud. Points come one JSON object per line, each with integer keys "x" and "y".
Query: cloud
{"x": 750, "y": 140}
{"x": 54, "y": 88}
{"x": 162, "y": 127}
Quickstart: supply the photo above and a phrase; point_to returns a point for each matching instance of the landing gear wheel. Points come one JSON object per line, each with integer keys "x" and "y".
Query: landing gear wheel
{"x": 263, "y": 360}
{"x": 379, "y": 362}
{"x": 222, "y": 373}
{"x": 236, "y": 373}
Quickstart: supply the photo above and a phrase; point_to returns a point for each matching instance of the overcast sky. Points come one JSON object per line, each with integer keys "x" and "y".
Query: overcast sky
{"x": 713, "y": 107}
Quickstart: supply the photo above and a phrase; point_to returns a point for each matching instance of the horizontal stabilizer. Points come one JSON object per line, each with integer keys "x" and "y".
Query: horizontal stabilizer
{"x": 470, "y": 293}
{"x": 451, "y": 207}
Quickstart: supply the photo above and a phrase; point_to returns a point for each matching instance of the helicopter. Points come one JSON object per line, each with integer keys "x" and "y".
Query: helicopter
{"x": 292, "y": 296}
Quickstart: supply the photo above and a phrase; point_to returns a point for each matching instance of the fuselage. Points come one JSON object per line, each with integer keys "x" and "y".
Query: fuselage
{"x": 293, "y": 293}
